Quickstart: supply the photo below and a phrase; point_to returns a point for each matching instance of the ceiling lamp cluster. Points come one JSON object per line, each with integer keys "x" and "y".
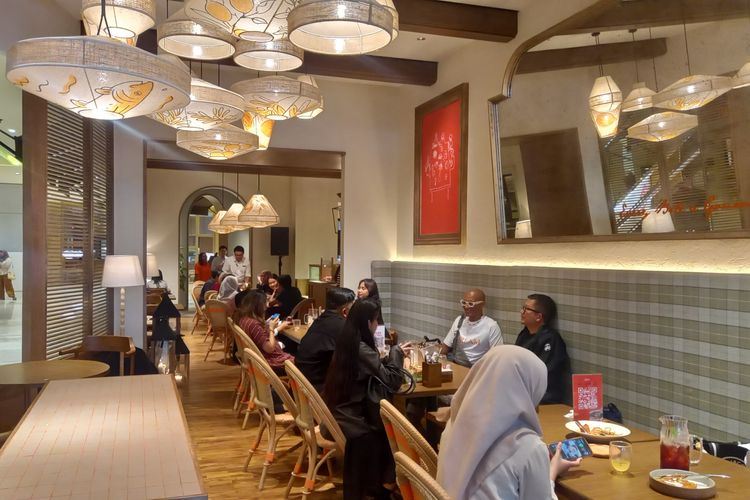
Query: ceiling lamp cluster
{"x": 257, "y": 213}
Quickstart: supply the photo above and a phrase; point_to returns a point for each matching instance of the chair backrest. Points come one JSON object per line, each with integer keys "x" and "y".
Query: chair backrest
{"x": 211, "y": 294}
{"x": 415, "y": 483}
{"x": 301, "y": 308}
{"x": 196, "y": 294}
{"x": 109, "y": 343}
{"x": 404, "y": 437}
{"x": 266, "y": 379}
{"x": 217, "y": 314}
{"x": 312, "y": 410}
{"x": 242, "y": 338}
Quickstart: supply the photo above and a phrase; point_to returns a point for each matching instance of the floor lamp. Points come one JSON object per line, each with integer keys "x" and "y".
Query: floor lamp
{"x": 121, "y": 271}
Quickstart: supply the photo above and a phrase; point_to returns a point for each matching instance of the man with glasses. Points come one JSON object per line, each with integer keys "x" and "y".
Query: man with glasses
{"x": 472, "y": 333}
{"x": 538, "y": 336}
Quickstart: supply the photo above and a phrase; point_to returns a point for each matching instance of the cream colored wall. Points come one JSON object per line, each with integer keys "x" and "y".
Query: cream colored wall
{"x": 482, "y": 65}
{"x": 312, "y": 200}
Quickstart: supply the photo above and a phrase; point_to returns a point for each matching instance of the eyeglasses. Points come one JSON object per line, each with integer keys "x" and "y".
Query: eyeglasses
{"x": 525, "y": 309}
{"x": 470, "y": 303}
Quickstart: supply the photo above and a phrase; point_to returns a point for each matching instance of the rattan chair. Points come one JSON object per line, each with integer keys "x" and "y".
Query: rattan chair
{"x": 404, "y": 437}
{"x": 245, "y": 392}
{"x": 414, "y": 482}
{"x": 312, "y": 412}
{"x": 211, "y": 294}
{"x": 200, "y": 316}
{"x": 217, "y": 313}
{"x": 106, "y": 343}
{"x": 265, "y": 380}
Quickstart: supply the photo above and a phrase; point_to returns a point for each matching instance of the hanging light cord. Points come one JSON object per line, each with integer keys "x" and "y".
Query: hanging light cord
{"x": 222, "y": 190}
{"x": 635, "y": 56}
{"x": 598, "y": 53}
{"x": 653, "y": 63}
{"x": 103, "y": 18}
{"x": 687, "y": 52}
{"x": 258, "y": 182}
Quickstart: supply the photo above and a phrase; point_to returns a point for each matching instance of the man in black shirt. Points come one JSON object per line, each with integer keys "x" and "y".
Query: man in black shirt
{"x": 538, "y": 336}
{"x": 316, "y": 348}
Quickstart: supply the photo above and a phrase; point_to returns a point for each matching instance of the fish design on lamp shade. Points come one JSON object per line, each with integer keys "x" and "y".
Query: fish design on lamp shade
{"x": 126, "y": 96}
{"x": 72, "y": 80}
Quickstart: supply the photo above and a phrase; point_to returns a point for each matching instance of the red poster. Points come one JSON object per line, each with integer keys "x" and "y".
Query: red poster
{"x": 441, "y": 134}
{"x": 587, "y": 396}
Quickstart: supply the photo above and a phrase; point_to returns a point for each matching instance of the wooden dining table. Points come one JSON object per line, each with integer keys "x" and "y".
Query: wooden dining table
{"x": 296, "y": 333}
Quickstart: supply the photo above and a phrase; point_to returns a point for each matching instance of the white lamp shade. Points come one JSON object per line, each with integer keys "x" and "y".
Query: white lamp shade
{"x": 255, "y": 20}
{"x": 742, "y": 79}
{"x": 152, "y": 268}
{"x": 230, "y": 218}
{"x": 315, "y": 112}
{"x": 215, "y": 224}
{"x": 184, "y": 37}
{"x": 641, "y": 97}
{"x": 274, "y": 55}
{"x": 210, "y": 106}
{"x": 605, "y": 102}
{"x": 341, "y": 27}
{"x": 98, "y": 77}
{"x": 220, "y": 143}
{"x": 122, "y": 271}
{"x": 606, "y": 122}
{"x": 662, "y": 126}
{"x": 260, "y": 126}
{"x": 523, "y": 229}
{"x": 125, "y": 18}
{"x": 692, "y": 92}
{"x": 258, "y": 213}
{"x": 657, "y": 221}
{"x": 278, "y": 97}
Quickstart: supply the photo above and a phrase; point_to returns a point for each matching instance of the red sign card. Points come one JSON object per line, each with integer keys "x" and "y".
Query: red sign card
{"x": 587, "y": 396}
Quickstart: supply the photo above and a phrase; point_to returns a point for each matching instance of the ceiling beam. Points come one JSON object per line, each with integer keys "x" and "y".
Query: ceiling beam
{"x": 475, "y": 22}
{"x": 591, "y": 55}
{"x": 365, "y": 67}
{"x": 645, "y": 13}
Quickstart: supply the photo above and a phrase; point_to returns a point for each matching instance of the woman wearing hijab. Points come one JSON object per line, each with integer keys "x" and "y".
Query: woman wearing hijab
{"x": 227, "y": 291}
{"x": 492, "y": 446}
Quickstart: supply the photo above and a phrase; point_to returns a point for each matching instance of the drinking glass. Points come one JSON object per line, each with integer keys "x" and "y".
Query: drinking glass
{"x": 696, "y": 449}
{"x": 620, "y": 455}
{"x": 296, "y": 323}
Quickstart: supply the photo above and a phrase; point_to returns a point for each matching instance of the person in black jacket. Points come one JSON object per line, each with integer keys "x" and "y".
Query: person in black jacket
{"x": 284, "y": 298}
{"x": 317, "y": 346}
{"x": 538, "y": 336}
{"x": 369, "y": 469}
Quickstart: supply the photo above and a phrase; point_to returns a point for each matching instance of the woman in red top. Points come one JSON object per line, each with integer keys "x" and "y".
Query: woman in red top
{"x": 251, "y": 314}
{"x": 202, "y": 268}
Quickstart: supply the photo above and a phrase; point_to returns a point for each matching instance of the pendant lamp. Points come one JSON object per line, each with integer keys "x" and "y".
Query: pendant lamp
{"x": 640, "y": 96}
{"x": 258, "y": 212}
{"x": 276, "y": 55}
{"x": 184, "y": 37}
{"x": 210, "y": 106}
{"x": 98, "y": 77}
{"x": 220, "y": 143}
{"x": 742, "y": 79}
{"x": 121, "y": 18}
{"x": 215, "y": 224}
{"x": 260, "y": 126}
{"x": 663, "y": 126}
{"x": 315, "y": 112}
{"x": 93, "y": 29}
{"x": 692, "y": 91}
{"x": 255, "y": 20}
{"x": 605, "y": 102}
{"x": 388, "y": 4}
{"x": 278, "y": 97}
{"x": 341, "y": 27}
{"x": 230, "y": 221}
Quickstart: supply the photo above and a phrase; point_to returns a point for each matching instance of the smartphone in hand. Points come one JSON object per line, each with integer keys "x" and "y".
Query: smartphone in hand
{"x": 274, "y": 317}
{"x": 572, "y": 449}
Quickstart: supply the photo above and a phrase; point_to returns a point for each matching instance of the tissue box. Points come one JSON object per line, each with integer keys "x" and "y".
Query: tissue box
{"x": 432, "y": 374}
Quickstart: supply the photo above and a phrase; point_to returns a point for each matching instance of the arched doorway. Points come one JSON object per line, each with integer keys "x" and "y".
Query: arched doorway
{"x": 197, "y": 211}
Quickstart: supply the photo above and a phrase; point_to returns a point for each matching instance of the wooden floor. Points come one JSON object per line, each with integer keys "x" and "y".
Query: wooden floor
{"x": 219, "y": 442}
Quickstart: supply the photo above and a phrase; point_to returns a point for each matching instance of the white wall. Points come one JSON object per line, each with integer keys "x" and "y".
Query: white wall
{"x": 314, "y": 237}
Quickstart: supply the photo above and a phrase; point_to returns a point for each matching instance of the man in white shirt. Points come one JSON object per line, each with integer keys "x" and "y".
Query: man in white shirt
{"x": 218, "y": 260}
{"x": 472, "y": 334}
{"x": 238, "y": 266}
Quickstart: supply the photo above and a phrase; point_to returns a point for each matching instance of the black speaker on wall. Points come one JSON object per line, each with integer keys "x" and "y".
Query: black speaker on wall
{"x": 279, "y": 241}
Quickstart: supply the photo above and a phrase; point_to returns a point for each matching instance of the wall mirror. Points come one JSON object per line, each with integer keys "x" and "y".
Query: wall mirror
{"x": 628, "y": 122}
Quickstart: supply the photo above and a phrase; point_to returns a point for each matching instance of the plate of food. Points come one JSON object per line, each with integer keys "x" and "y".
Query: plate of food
{"x": 682, "y": 484}
{"x": 597, "y": 431}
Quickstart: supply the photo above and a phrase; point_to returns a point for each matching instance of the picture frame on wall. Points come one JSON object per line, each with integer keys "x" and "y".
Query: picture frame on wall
{"x": 440, "y": 163}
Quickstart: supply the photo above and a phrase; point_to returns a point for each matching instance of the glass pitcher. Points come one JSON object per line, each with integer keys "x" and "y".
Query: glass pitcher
{"x": 675, "y": 442}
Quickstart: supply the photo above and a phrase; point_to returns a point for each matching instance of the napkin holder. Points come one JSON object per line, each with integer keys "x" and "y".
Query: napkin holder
{"x": 432, "y": 374}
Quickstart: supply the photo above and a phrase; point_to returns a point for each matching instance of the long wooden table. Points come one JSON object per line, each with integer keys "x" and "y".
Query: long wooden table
{"x": 115, "y": 437}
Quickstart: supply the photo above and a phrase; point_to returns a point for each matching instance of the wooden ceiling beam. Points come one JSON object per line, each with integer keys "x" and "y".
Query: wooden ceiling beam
{"x": 365, "y": 67}
{"x": 645, "y": 13}
{"x": 591, "y": 55}
{"x": 475, "y": 22}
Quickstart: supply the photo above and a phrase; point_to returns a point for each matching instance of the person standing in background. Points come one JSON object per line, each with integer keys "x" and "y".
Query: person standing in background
{"x": 217, "y": 260}
{"x": 202, "y": 268}
{"x": 6, "y": 276}
{"x": 238, "y": 266}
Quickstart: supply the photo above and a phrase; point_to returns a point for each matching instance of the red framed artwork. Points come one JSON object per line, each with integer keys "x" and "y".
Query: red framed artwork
{"x": 440, "y": 157}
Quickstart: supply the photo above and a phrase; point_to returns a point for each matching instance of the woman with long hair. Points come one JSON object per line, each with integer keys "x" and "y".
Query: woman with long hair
{"x": 6, "y": 276}
{"x": 285, "y": 296}
{"x": 368, "y": 289}
{"x": 369, "y": 469}
{"x": 250, "y": 315}
{"x": 202, "y": 268}
{"x": 492, "y": 446}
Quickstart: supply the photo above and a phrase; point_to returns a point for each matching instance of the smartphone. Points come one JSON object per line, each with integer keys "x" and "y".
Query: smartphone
{"x": 572, "y": 449}
{"x": 274, "y": 316}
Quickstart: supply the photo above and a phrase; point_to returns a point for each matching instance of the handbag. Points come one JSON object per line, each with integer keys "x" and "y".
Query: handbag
{"x": 457, "y": 353}
{"x": 378, "y": 390}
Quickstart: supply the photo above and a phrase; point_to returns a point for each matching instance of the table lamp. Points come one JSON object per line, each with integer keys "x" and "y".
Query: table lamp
{"x": 657, "y": 221}
{"x": 152, "y": 268}
{"x": 523, "y": 229}
{"x": 121, "y": 271}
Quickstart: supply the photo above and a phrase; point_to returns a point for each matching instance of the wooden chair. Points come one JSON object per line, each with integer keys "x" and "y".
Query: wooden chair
{"x": 415, "y": 483}
{"x": 404, "y": 437}
{"x": 217, "y": 315}
{"x": 244, "y": 392}
{"x": 211, "y": 294}
{"x": 106, "y": 343}
{"x": 311, "y": 413}
{"x": 301, "y": 308}
{"x": 265, "y": 380}
{"x": 200, "y": 315}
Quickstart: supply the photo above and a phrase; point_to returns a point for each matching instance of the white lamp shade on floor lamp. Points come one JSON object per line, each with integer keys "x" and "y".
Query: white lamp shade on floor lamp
{"x": 152, "y": 268}
{"x": 121, "y": 271}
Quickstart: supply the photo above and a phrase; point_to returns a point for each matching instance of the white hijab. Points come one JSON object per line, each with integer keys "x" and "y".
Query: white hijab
{"x": 492, "y": 410}
{"x": 228, "y": 288}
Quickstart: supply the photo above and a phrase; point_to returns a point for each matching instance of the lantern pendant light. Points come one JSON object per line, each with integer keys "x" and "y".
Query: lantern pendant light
{"x": 184, "y": 37}
{"x": 278, "y": 97}
{"x": 124, "y": 18}
{"x": 663, "y": 126}
{"x": 230, "y": 219}
{"x": 693, "y": 91}
{"x": 641, "y": 96}
{"x": 219, "y": 143}
{"x": 258, "y": 212}
{"x": 215, "y": 224}
{"x": 274, "y": 55}
{"x": 605, "y": 102}
{"x": 210, "y": 106}
{"x": 260, "y": 126}
{"x": 315, "y": 112}
{"x": 253, "y": 20}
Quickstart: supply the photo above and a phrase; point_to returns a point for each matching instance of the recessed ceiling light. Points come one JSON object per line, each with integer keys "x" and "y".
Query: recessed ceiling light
{"x": 421, "y": 38}
{"x": 12, "y": 130}
{"x": 18, "y": 173}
